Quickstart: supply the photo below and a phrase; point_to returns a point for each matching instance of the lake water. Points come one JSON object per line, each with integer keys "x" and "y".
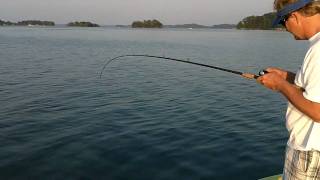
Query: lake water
{"x": 145, "y": 119}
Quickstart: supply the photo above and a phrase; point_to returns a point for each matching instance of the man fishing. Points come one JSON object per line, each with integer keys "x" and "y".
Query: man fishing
{"x": 302, "y": 19}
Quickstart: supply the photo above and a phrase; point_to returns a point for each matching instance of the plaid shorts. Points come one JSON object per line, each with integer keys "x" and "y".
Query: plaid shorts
{"x": 301, "y": 165}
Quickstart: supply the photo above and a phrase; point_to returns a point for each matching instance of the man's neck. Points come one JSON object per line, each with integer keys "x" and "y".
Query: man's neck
{"x": 312, "y": 26}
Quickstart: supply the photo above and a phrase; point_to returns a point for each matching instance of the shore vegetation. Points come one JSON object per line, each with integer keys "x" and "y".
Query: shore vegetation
{"x": 147, "y": 24}
{"x": 27, "y": 23}
{"x": 263, "y": 22}
{"x": 35, "y": 23}
{"x": 6, "y": 23}
{"x": 82, "y": 24}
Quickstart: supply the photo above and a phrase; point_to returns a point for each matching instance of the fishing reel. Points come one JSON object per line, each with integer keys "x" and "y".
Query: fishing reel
{"x": 254, "y": 76}
{"x": 262, "y": 72}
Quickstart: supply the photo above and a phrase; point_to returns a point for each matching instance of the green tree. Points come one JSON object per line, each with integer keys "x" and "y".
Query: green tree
{"x": 257, "y": 22}
{"x": 147, "y": 24}
{"x": 82, "y": 24}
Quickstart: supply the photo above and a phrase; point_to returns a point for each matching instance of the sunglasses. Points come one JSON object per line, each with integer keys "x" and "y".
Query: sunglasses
{"x": 284, "y": 19}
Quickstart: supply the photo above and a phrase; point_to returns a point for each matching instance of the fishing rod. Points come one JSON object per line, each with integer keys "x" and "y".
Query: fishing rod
{"x": 246, "y": 75}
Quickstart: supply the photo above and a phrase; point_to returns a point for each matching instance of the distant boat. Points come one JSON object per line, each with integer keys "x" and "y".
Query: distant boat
{"x": 190, "y": 28}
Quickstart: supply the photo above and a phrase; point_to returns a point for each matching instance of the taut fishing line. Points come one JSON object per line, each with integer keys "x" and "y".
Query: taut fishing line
{"x": 246, "y": 75}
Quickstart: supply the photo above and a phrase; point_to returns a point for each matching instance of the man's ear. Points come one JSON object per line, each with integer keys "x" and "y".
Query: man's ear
{"x": 297, "y": 17}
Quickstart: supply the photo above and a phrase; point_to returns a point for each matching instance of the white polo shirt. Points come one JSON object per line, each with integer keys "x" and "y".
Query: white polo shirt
{"x": 304, "y": 132}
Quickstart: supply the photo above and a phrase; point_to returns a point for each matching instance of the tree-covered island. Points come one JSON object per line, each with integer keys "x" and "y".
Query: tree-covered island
{"x": 6, "y": 23}
{"x": 35, "y": 23}
{"x": 27, "y": 23}
{"x": 147, "y": 24}
{"x": 82, "y": 24}
{"x": 263, "y": 22}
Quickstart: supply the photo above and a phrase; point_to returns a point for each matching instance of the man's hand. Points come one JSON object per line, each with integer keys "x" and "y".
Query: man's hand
{"x": 274, "y": 79}
{"x": 280, "y": 72}
{"x": 288, "y": 76}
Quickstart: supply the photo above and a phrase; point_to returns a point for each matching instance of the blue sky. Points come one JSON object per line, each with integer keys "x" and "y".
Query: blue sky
{"x": 112, "y": 12}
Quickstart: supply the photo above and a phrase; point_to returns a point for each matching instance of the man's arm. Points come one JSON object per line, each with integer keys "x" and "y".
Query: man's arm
{"x": 294, "y": 94}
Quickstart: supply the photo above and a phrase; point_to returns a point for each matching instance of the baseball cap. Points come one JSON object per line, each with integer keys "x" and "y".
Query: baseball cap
{"x": 286, "y": 10}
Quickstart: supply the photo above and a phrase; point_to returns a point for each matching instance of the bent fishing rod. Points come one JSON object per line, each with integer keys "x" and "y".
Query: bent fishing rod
{"x": 246, "y": 75}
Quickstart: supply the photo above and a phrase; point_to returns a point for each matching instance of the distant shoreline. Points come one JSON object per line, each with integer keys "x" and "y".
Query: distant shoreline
{"x": 39, "y": 23}
{"x": 117, "y": 27}
{"x": 248, "y": 23}
{"x": 263, "y": 22}
{"x": 130, "y": 28}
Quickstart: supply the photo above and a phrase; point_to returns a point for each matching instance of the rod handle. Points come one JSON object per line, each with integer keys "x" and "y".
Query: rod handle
{"x": 249, "y": 76}
{"x": 254, "y": 76}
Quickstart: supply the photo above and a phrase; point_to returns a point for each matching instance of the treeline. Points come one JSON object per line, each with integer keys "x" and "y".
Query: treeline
{"x": 83, "y": 24}
{"x": 27, "y": 23}
{"x": 45, "y": 23}
{"x": 35, "y": 23}
{"x": 193, "y": 25}
{"x": 263, "y": 22}
{"x": 6, "y": 23}
{"x": 147, "y": 24}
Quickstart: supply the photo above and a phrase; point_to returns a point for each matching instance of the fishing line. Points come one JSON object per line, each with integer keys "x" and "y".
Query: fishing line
{"x": 246, "y": 75}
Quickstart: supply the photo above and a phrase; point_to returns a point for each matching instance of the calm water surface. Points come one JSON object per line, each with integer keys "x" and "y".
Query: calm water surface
{"x": 144, "y": 119}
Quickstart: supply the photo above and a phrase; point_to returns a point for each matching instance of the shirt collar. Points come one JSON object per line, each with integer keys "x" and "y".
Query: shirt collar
{"x": 315, "y": 38}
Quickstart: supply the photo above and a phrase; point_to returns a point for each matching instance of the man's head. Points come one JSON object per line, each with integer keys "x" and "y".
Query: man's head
{"x": 300, "y": 17}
